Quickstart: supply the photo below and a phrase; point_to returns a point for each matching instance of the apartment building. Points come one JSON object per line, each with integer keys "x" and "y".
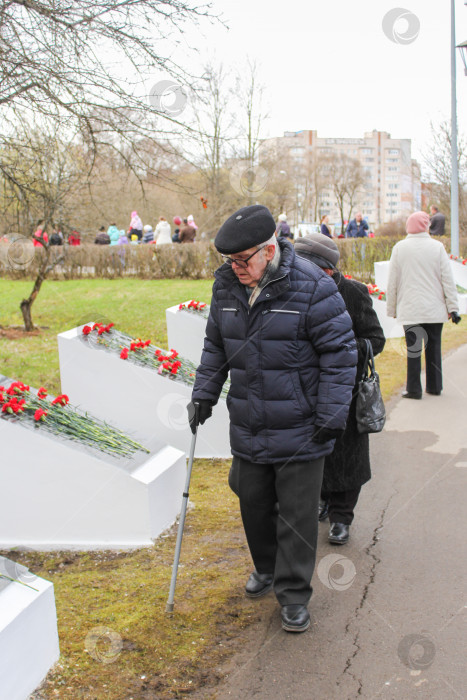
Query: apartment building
{"x": 391, "y": 188}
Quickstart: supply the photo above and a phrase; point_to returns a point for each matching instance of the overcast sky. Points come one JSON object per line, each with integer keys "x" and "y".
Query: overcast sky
{"x": 330, "y": 66}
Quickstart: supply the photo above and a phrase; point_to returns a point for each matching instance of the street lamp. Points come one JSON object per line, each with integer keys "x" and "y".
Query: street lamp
{"x": 463, "y": 51}
{"x": 454, "y": 165}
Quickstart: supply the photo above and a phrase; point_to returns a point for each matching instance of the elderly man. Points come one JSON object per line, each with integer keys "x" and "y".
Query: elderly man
{"x": 281, "y": 328}
{"x": 357, "y": 228}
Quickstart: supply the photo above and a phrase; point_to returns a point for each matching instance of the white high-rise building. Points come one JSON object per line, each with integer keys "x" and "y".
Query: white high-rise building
{"x": 392, "y": 178}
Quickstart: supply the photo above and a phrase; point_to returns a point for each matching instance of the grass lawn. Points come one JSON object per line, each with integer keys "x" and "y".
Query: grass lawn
{"x": 161, "y": 656}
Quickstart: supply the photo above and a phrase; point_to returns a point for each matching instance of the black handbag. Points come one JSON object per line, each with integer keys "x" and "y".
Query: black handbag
{"x": 370, "y": 410}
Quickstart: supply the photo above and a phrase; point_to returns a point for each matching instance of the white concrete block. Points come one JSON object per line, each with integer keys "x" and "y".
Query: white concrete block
{"x": 185, "y": 332}
{"x": 391, "y": 328}
{"x": 59, "y": 494}
{"x": 136, "y": 398}
{"x": 28, "y": 631}
{"x": 382, "y": 274}
{"x": 459, "y": 272}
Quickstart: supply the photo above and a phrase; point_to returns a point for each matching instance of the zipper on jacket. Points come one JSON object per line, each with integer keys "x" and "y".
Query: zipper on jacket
{"x": 280, "y": 311}
{"x": 235, "y": 310}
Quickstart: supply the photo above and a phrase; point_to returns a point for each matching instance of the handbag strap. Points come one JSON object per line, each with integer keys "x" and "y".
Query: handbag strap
{"x": 369, "y": 363}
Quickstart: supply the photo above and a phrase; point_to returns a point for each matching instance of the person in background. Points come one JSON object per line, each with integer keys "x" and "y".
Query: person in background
{"x": 176, "y": 236}
{"x": 187, "y": 233}
{"x": 122, "y": 238}
{"x": 148, "y": 234}
{"x": 102, "y": 237}
{"x": 347, "y": 468}
{"x": 437, "y": 222}
{"x": 422, "y": 295}
{"x": 136, "y": 226}
{"x": 74, "y": 238}
{"x": 325, "y": 230}
{"x": 279, "y": 326}
{"x": 40, "y": 233}
{"x": 114, "y": 233}
{"x": 163, "y": 232}
{"x": 56, "y": 238}
{"x": 191, "y": 222}
{"x": 283, "y": 228}
{"x": 357, "y": 228}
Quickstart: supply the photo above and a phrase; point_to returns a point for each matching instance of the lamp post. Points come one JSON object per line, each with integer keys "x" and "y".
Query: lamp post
{"x": 454, "y": 164}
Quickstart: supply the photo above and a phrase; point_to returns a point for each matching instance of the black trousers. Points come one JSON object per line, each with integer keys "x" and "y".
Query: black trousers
{"x": 417, "y": 336}
{"x": 282, "y": 540}
{"x": 341, "y": 505}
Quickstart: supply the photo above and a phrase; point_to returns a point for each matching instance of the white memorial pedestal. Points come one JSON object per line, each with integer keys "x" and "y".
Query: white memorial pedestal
{"x": 136, "y": 398}
{"x": 28, "y": 631}
{"x": 390, "y": 327}
{"x": 185, "y": 332}
{"x": 59, "y": 494}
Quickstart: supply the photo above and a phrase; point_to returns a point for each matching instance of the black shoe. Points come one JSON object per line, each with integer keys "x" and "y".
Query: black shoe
{"x": 295, "y": 618}
{"x": 433, "y": 393}
{"x": 258, "y": 584}
{"x": 338, "y": 533}
{"x": 411, "y": 395}
{"x": 323, "y": 510}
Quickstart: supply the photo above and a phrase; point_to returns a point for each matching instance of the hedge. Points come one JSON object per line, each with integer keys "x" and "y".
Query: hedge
{"x": 186, "y": 261}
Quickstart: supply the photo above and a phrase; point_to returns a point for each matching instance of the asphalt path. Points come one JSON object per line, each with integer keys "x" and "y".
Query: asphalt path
{"x": 389, "y": 608}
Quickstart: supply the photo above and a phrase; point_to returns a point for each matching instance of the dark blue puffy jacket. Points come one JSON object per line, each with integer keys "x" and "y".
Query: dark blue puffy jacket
{"x": 292, "y": 360}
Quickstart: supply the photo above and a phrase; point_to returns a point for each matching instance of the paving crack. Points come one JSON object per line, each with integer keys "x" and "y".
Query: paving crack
{"x": 369, "y": 550}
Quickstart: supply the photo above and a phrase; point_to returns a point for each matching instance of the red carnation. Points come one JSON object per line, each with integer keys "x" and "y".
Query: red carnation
{"x": 87, "y": 330}
{"x": 40, "y": 414}
{"x": 124, "y": 354}
{"x": 96, "y": 325}
{"x": 42, "y": 393}
{"x": 108, "y": 327}
{"x": 146, "y": 343}
{"x": 61, "y": 400}
{"x": 181, "y": 306}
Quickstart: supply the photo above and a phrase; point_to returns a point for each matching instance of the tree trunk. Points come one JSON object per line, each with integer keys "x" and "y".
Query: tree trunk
{"x": 26, "y": 311}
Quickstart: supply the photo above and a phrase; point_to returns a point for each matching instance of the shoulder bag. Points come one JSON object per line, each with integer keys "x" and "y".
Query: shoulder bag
{"x": 370, "y": 410}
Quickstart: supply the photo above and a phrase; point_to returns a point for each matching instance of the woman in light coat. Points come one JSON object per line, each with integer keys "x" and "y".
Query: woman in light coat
{"x": 162, "y": 233}
{"x": 422, "y": 295}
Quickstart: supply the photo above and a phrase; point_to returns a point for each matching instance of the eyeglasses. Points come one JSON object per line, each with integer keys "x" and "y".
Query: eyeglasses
{"x": 239, "y": 261}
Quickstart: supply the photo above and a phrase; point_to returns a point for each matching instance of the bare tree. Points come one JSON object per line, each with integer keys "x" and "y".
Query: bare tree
{"x": 437, "y": 165}
{"x": 66, "y": 63}
{"x": 251, "y": 116}
{"x": 348, "y": 181}
{"x": 47, "y": 171}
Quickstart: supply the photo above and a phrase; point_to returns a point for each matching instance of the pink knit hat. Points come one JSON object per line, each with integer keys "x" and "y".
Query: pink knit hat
{"x": 419, "y": 222}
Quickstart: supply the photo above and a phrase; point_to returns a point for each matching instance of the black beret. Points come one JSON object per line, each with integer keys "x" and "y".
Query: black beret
{"x": 248, "y": 227}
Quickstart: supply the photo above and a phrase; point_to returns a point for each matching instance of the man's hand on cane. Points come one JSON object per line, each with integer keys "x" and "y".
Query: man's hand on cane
{"x": 198, "y": 417}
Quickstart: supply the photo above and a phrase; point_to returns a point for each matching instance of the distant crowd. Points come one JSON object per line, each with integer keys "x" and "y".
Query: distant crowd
{"x": 185, "y": 231}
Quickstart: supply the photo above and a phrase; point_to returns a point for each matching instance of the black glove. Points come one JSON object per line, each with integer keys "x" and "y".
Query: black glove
{"x": 323, "y": 435}
{"x": 455, "y": 318}
{"x": 198, "y": 412}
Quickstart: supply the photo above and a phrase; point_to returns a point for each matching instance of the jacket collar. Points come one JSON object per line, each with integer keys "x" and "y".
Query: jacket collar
{"x": 424, "y": 234}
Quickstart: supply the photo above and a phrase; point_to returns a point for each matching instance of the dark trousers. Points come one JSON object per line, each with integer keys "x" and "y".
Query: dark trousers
{"x": 428, "y": 334}
{"x": 341, "y": 505}
{"x": 282, "y": 540}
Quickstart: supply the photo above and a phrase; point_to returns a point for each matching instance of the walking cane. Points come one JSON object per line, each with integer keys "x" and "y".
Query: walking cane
{"x": 170, "y": 601}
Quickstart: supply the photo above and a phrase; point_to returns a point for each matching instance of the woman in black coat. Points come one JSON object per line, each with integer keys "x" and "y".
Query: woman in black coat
{"x": 348, "y": 467}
